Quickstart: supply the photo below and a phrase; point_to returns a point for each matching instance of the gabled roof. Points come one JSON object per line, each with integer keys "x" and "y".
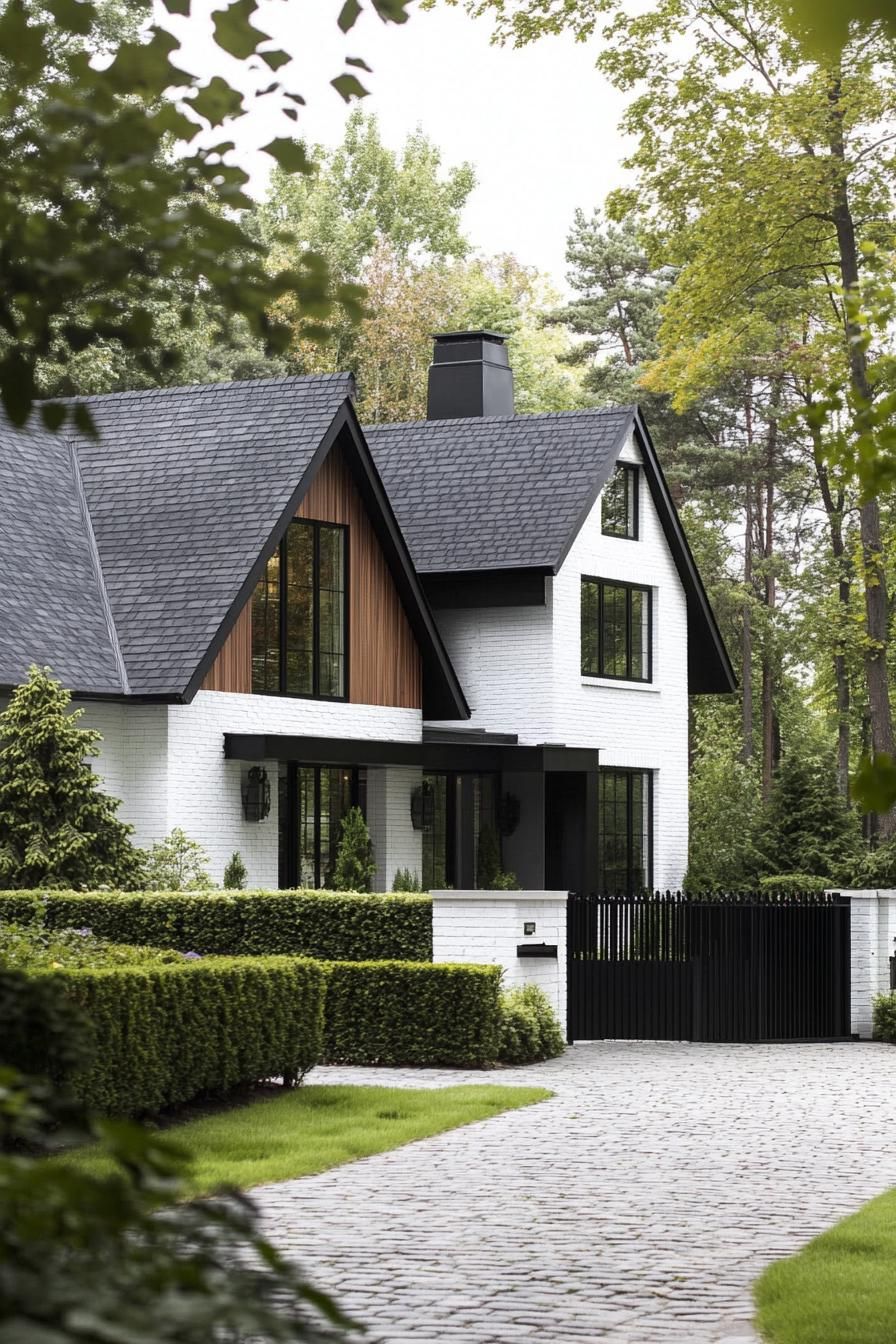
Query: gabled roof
{"x": 499, "y": 492}
{"x": 511, "y": 493}
{"x": 160, "y": 527}
{"x": 53, "y": 606}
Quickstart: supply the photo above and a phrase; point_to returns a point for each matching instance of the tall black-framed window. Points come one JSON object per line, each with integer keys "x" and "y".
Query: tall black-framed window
{"x": 313, "y": 801}
{"x": 460, "y": 829}
{"x": 619, "y": 503}
{"x": 625, "y": 830}
{"x": 617, "y": 630}
{"x": 300, "y": 614}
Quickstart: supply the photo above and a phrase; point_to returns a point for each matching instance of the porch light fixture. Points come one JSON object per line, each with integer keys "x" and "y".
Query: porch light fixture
{"x": 256, "y": 794}
{"x": 422, "y": 807}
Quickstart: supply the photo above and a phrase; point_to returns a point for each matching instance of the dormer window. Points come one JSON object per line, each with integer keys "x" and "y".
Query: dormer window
{"x": 619, "y": 503}
{"x": 299, "y": 615}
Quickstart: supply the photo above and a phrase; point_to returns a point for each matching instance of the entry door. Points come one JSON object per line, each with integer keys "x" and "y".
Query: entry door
{"x": 313, "y": 801}
{"x": 565, "y": 831}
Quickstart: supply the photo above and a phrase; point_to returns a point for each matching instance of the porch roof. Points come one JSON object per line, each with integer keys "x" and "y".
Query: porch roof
{"x": 461, "y": 751}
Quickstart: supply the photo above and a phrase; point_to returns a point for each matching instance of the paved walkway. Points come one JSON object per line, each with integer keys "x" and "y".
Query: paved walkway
{"x": 636, "y": 1206}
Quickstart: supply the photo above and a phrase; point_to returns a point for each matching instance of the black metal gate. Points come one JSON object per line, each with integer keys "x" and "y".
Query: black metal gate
{"x": 673, "y": 967}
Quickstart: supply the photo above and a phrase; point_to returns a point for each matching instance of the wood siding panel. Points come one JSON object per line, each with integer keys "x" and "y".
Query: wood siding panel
{"x": 384, "y": 661}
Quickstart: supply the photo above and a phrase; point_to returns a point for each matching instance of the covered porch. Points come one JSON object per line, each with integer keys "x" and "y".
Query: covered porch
{"x": 447, "y": 807}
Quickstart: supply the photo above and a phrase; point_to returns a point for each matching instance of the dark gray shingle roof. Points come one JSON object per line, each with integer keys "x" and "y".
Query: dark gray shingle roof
{"x": 52, "y": 606}
{"x": 499, "y": 492}
{"x": 183, "y": 487}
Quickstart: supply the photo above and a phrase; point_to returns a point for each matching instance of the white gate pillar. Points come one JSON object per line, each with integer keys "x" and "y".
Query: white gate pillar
{"x": 872, "y": 930}
{"x": 488, "y": 928}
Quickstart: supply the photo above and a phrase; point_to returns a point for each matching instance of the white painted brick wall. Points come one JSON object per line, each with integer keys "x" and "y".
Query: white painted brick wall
{"x": 484, "y": 928}
{"x": 395, "y": 842}
{"x": 521, "y": 672}
{"x": 872, "y": 930}
{"x": 166, "y": 763}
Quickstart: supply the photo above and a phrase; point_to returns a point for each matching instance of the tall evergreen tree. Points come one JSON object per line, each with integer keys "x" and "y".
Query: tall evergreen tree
{"x": 808, "y": 827}
{"x": 57, "y": 827}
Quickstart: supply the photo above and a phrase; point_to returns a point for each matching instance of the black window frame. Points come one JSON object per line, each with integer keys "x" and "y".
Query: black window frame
{"x": 629, "y": 775}
{"x": 632, "y": 476}
{"x": 315, "y": 693}
{"x": 289, "y": 818}
{"x": 603, "y": 583}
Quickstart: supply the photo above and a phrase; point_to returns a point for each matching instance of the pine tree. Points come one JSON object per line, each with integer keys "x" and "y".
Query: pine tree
{"x": 355, "y": 866}
{"x": 57, "y": 827}
{"x": 808, "y": 827}
{"x": 235, "y": 872}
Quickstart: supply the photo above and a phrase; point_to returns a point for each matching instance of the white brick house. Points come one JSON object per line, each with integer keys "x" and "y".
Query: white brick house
{"x": 483, "y": 628}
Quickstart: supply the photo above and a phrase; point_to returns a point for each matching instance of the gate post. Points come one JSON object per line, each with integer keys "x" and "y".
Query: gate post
{"x": 872, "y": 928}
{"x": 522, "y": 931}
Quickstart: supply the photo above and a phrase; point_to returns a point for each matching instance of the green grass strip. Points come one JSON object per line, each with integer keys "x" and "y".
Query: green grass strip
{"x": 841, "y": 1288}
{"x": 316, "y": 1127}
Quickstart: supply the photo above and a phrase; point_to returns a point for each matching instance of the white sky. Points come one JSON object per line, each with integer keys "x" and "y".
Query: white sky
{"x": 539, "y": 124}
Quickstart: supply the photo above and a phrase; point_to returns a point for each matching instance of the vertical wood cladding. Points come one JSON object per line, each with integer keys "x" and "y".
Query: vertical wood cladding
{"x": 384, "y": 661}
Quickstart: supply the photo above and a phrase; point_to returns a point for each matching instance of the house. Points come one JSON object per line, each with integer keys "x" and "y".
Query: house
{"x": 479, "y": 624}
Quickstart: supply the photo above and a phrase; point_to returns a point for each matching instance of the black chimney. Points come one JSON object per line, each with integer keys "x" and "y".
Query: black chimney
{"x": 469, "y": 375}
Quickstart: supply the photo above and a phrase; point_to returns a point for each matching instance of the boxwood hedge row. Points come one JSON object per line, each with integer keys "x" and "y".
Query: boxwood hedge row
{"x": 331, "y": 926}
{"x": 161, "y": 1035}
{"x": 395, "y": 1012}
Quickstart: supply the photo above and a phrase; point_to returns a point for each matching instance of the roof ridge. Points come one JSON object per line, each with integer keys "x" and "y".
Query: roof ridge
{"x": 287, "y": 379}
{"x": 84, "y": 510}
{"x": 627, "y": 409}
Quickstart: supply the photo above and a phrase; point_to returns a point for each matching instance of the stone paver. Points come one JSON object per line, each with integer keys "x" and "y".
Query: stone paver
{"x": 636, "y": 1206}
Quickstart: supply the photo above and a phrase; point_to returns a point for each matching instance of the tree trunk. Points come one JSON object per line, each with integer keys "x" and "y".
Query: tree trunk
{"x": 746, "y": 662}
{"x": 833, "y": 507}
{"x": 769, "y": 753}
{"x": 875, "y": 579}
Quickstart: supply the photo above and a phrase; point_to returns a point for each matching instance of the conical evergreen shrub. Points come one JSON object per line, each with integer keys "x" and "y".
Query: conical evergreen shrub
{"x": 808, "y": 827}
{"x": 57, "y": 827}
{"x": 355, "y": 865}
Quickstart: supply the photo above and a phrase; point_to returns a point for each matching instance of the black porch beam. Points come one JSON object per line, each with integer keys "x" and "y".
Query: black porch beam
{"x": 472, "y": 756}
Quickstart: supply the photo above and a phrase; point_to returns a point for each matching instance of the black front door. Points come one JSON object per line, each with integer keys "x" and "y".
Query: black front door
{"x": 565, "y": 814}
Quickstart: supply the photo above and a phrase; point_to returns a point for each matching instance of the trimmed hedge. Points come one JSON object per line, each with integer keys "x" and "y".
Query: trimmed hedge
{"x": 162, "y": 1035}
{"x": 41, "y": 1031}
{"x": 395, "y": 1012}
{"x": 331, "y": 926}
{"x": 529, "y": 1027}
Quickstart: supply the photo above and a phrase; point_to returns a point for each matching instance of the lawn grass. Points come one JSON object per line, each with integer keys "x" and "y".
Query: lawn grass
{"x": 841, "y": 1288}
{"x": 307, "y": 1130}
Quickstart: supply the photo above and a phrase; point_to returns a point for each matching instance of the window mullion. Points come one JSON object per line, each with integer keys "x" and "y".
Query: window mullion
{"x": 284, "y": 615}
{"x": 600, "y": 630}
{"x": 315, "y": 613}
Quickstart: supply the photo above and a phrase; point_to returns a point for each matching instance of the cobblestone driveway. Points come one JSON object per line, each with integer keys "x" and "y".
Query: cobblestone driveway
{"x": 638, "y": 1205}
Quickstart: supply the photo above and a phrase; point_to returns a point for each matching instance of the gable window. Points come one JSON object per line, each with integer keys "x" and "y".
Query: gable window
{"x": 299, "y": 614}
{"x": 616, "y": 630}
{"x": 625, "y": 829}
{"x": 619, "y": 503}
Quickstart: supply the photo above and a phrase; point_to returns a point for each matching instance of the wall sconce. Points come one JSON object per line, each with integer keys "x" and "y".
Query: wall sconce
{"x": 256, "y": 790}
{"x": 422, "y": 807}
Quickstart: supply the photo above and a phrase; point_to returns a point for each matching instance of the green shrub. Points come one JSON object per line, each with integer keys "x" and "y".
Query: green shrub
{"x": 162, "y": 1035}
{"x": 355, "y": 867}
{"x": 34, "y": 947}
{"x": 405, "y": 880}
{"x": 235, "y": 872}
{"x": 529, "y": 1029}
{"x": 41, "y": 1031}
{"x": 883, "y": 1020}
{"x": 876, "y": 869}
{"x": 395, "y": 1012}
{"x": 177, "y": 863}
{"x": 796, "y": 884}
{"x": 327, "y": 925}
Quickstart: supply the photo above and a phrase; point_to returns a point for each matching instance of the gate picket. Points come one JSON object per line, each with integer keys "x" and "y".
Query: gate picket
{"x": 727, "y": 967}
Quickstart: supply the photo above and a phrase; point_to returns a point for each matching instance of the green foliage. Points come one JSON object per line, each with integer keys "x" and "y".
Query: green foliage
{"x": 106, "y": 229}
{"x": 490, "y": 876}
{"x": 122, "y": 1255}
{"x": 808, "y": 827}
{"x": 177, "y": 863}
{"x": 725, "y": 808}
{"x": 529, "y": 1028}
{"x": 392, "y": 1012}
{"x": 405, "y": 880}
{"x": 30, "y": 947}
{"x": 883, "y": 1019}
{"x": 331, "y": 926}
{"x": 41, "y": 1030}
{"x": 165, "y": 1034}
{"x": 235, "y": 872}
{"x": 797, "y": 884}
{"x": 875, "y": 869}
{"x": 355, "y": 865}
{"x": 57, "y": 827}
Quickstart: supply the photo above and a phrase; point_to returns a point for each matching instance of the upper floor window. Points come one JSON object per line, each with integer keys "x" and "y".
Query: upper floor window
{"x": 619, "y": 503}
{"x": 616, "y": 630}
{"x": 299, "y": 614}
